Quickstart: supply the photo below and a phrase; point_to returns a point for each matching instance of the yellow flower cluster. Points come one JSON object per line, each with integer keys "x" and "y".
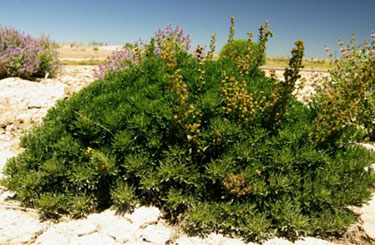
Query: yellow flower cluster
{"x": 237, "y": 100}
{"x": 231, "y": 30}
{"x": 185, "y": 116}
{"x": 212, "y": 47}
{"x": 199, "y": 55}
{"x": 235, "y": 184}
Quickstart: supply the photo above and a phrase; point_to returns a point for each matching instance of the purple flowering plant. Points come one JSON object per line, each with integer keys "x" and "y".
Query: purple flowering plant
{"x": 171, "y": 37}
{"x": 24, "y": 56}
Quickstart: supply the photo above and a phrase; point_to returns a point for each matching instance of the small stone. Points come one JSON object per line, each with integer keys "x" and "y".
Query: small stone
{"x": 144, "y": 216}
{"x": 52, "y": 238}
{"x": 121, "y": 230}
{"x": 24, "y": 118}
{"x": 311, "y": 241}
{"x": 83, "y": 228}
{"x": 185, "y": 240}
{"x": 369, "y": 228}
{"x": 69, "y": 90}
{"x": 34, "y": 107}
{"x": 5, "y": 194}
{"x": 278, "y": 241}
{"x": 231, "y": 241}
{"x": 157, "y": 234}
{"x": 10, "y": 127}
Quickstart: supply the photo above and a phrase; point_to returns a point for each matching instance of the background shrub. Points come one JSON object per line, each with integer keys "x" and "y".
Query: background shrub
{"x": 227, "y": 150}
{"x": 26, "y": 57}
{"x": 130, "y": 54}
{"x": 247, "y": 52}
{"x": 239, "y": 48}
{"x": 348, "y": 94}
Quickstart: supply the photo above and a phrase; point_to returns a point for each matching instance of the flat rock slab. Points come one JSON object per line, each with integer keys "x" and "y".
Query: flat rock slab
{"x": 142, "y": 226}
{"x": 23, "y": 101}
{"x": 368, "y": 217}
{"x": 17, "y": 226}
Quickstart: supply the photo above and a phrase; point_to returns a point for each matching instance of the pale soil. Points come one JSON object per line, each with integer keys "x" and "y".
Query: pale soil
{"x": 85, "y": 52}
{"x": 22, "y": 106}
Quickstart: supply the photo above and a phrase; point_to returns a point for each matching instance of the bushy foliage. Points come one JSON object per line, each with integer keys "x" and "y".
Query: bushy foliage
{"x": 131, "y": 55}
{"x": 24, "y": 56}
{"x": 239, "y": 48}
{"x": 206, "y": 141}
{"x": 246, "y": 50}
{"x": 349, "y": 92}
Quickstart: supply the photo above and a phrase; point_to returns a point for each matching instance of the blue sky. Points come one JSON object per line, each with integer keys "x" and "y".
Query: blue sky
{"x": 116, "y": 22}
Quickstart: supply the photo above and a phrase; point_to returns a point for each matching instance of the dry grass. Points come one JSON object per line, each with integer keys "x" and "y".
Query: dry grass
{"x": 85, "y": 52}
{"x": 283, "y": 62}
{"x": 92, "y": 55}
{"x": 90, "y": 62}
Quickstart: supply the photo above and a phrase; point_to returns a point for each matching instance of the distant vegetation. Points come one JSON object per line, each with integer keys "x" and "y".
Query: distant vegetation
{"x": 281, "y": 62}
{"x": 25, "y": 56}
{"x": 90, "y": 62}
{"x": 247, "y": 49}
{"x": 95, "y": 43}
{"x": 348, "y": 94}
{"x": 307, "y": 63}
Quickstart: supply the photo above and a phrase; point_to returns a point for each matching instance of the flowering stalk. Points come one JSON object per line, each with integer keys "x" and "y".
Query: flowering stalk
{"x": 248, "y": 54}
{"x": 212, "y": 46}
{"x": 231, "y": 30}
{"x": 199, "y": 55}
{"x": 264, "y": 33}
{"x": 244, "y": 62}
{"x": 185, "y": 115}
{"x": 283, "y": 91}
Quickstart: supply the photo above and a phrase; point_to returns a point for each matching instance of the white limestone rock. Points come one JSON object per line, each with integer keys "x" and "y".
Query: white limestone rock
{"x": 156, "y": 234}
{"x": 18, "y": 227}
{"x": 278, "y": 241}
{"x": 368, "y": 217}
{"x": 312, "y": 241}
{"x": 144, "y": 216}
{"x": 95, "y": 238}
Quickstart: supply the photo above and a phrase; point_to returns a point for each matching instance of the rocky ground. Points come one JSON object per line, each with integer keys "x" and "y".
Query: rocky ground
{"x": 23, "y": 105}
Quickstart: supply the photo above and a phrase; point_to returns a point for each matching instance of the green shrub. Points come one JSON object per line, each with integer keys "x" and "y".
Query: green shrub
{"x": 231, "y": 151}
{"x": 239, "y": 48}
{"x": 349, "y": 92}
{"x": 247, "y": 52}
